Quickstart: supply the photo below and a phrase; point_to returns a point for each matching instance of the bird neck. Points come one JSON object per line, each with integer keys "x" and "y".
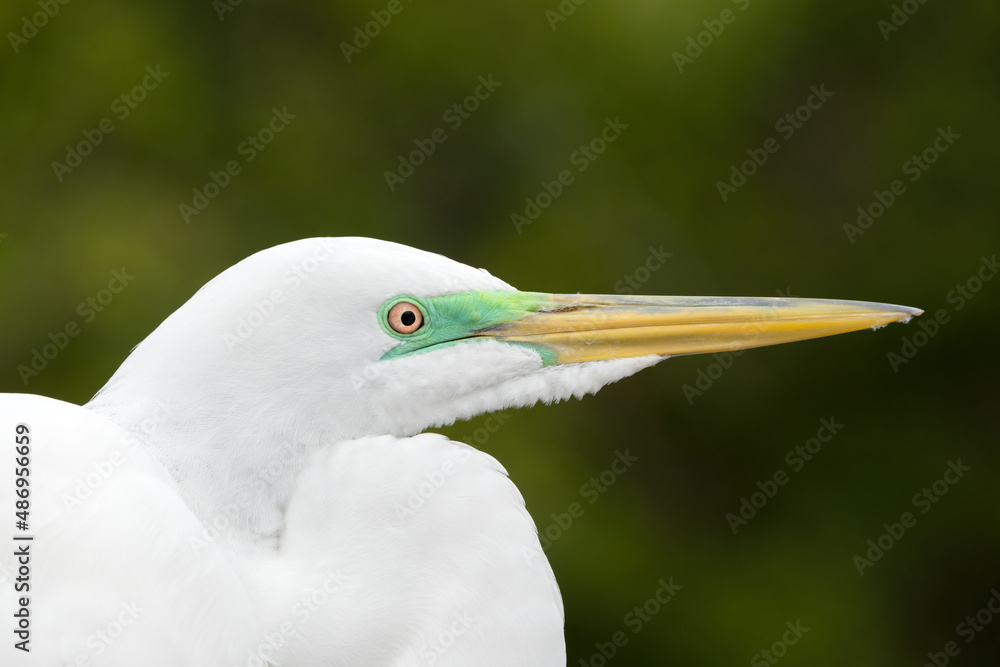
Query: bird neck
{"x": 236, "y": 466}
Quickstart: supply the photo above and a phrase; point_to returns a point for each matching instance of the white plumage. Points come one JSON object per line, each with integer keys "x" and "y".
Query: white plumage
{"x": 112, "y": 579}
{"x": 252, "y": 479}
{"x": 250, "y": 487}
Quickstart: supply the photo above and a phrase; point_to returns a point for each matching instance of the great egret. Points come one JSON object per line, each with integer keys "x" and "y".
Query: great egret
{"x": 252, "y": 487}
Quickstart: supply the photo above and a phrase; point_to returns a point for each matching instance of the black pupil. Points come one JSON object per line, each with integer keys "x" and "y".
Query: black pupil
{"x": 408, "y": 318}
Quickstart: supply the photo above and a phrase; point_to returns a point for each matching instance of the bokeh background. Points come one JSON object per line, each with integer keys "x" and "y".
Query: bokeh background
{"x": 656, "y": 186}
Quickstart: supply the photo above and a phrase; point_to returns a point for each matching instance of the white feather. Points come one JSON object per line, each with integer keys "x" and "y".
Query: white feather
{"x": 279, "y": 465}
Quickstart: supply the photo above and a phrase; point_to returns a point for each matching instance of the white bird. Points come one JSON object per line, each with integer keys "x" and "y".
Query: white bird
{"x": 252, "y": 486}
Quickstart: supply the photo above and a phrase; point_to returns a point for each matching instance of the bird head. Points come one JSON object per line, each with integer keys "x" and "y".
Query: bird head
{"x": 320, "y": 341}
{"x": 359, "y": 337}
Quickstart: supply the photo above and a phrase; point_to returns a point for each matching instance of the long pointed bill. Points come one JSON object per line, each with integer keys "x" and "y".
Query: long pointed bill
{"x": 577, "y": 328}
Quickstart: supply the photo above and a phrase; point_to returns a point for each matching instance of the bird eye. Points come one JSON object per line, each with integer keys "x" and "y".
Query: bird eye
{"x": 405, "y": 318}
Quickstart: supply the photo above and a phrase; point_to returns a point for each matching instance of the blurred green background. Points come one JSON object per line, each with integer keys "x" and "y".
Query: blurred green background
{"x": 655, "y": 186}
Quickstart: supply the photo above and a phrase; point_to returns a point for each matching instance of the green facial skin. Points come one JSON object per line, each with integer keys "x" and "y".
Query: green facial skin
{"x": 454, "y": 318}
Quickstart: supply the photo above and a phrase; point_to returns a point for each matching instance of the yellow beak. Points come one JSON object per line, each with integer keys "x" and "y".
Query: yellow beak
{"x": 593, "y": 327}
